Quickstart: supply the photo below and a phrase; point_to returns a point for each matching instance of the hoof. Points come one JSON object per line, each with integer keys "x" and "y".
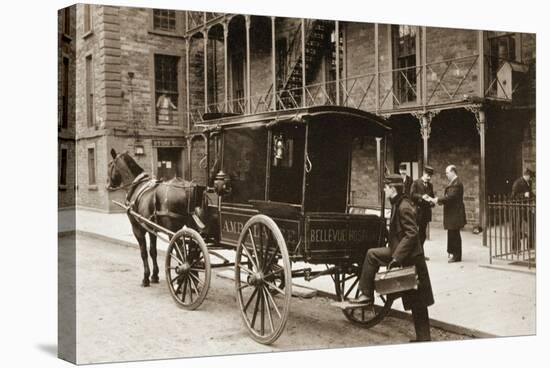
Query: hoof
{"x": 145, "y": 283}
{"x": 154, "y": 280}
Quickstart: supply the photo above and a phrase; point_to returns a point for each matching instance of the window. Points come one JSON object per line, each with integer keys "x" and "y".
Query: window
{"x": 90, "y": 114}
{"x": 67, "y": 21}
{"x": 166, "y": 88}
{"x": 87, "y": 18}
{"x": 91, "y": 166}
{"x": 65, "y": 93}
{"x": 404, "y": 49}
{"x": 164, "y": 20}
{"x": 63, "y": 168}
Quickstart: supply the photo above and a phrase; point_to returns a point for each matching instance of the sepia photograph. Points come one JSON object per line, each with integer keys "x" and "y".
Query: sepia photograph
{"x": 233, "y": 183}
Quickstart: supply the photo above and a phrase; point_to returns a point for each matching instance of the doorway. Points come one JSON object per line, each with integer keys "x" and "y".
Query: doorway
{"x": 169, "y": 163}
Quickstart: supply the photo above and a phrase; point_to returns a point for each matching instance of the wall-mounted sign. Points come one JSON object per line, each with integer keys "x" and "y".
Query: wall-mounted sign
{"x": 174, "y": 142}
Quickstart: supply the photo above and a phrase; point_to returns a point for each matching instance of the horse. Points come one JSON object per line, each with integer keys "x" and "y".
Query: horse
{"x": 169, "y": 204}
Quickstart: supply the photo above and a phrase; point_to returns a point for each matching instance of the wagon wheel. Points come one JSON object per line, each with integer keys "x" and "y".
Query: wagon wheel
{"x": 262, "y": 279}
{"x": 187, "y": 268}
{"x": 347, "y": 286}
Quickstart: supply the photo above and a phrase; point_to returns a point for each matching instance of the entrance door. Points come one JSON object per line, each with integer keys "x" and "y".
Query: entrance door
{"x": 169, "y": 163}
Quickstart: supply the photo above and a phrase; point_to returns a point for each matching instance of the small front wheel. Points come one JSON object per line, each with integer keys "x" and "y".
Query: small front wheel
{"x": 188, "y": 268}
{"x": 347, "y": 286}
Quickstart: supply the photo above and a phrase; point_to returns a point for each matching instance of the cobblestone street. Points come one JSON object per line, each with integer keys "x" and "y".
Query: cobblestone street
{"x": 118, "y": 320}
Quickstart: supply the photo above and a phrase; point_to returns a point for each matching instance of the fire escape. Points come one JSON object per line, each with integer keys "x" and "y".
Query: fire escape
{"x": 291, "y": 80}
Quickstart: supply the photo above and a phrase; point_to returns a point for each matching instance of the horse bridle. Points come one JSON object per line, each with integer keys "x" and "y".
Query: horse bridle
{"x": 138, "y": 179}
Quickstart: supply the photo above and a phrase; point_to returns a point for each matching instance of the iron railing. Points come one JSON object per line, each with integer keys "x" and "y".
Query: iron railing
{"x": 511, "y": 231}
{"x": 447, "y": 81}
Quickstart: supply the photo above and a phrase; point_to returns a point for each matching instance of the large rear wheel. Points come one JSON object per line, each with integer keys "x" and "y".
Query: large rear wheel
{"x": 263, "y": 279}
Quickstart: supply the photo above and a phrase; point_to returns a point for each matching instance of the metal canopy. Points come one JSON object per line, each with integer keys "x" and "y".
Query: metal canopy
{"x": 354, "y": 118}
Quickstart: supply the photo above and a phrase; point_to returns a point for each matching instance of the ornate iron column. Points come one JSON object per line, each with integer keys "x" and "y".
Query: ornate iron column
{"x": 337, "y": 40}
{"x": 225, "y": 68}
{"x": 205, "y": 50}
{"x": 273, "y": 64}
{"x": 248, "y": 94}
{"x": 303, "y": 25}
{"x": 425, "y": 120}
{"x": 188, "y": 102}
{"x": 481, "y": 126}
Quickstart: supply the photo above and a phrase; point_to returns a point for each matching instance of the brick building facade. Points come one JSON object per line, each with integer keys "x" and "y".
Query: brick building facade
{"x": 452, "y": 96}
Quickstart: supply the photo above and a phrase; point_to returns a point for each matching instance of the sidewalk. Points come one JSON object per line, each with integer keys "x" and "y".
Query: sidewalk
{"x": 482, "y": 300}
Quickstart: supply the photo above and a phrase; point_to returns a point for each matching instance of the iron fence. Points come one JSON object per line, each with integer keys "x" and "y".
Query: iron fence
{"x": 511, "y": 231}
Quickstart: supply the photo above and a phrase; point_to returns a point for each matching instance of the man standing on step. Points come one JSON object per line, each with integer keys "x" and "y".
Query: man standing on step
{"x": 403, "y": 250}
{"x": 422, "y": 191}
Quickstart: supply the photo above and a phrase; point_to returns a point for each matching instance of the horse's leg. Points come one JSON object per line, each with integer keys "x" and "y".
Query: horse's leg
{"x": 153, "y": 254}
{"x": 139, "y": 233}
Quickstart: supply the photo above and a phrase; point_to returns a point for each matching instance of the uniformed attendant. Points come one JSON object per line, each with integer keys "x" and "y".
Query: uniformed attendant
{"x": 407, "y": 181}
{"x": 403, "y": 250}
{"x": 422, "y": 191}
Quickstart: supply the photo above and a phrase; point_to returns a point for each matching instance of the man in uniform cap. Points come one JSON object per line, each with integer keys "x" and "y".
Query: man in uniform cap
{"x": 403, "y": 250}
{"x": 422, "y": 191}
{"x": 407, "y": 181}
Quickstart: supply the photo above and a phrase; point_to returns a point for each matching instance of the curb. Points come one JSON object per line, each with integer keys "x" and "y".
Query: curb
{"x": 460, "y": 330}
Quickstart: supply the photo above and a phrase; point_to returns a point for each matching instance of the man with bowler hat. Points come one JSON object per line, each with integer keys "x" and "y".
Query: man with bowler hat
{"x": 422, "y": 191}
{"x": 523, "y": 223}
{"x": 403, "y": 250}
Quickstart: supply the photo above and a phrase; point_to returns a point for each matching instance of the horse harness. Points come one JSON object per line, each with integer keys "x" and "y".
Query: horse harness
{"x": 137, "y": 192}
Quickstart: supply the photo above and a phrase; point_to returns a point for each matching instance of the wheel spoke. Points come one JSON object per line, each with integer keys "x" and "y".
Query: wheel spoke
{"x": 269, "y": 316}
{"x": 249, "y": 257}
{"x": 351, "y": 287}
{"x": 270, "y": 298}
{"x": 249, "y": 300}
{"x": 250, "y": 272}
{"x": 192, "y": 288}
{"x": 198, "y": 281}
{"x": 273, "y": 273}
{"x": 255, "y": 310}
{"x": 198, "y": 269}
{"x": 180, "y": 262}
{"x": 175, "y": 278}
{"x": 244, "y": 286}
{"x": 275, "y": 287}
{"x": 258, "y": 265}
{"x": 262, "y": 313}
{"x": 184, "y": 294}
{"x": 182, "y": 256}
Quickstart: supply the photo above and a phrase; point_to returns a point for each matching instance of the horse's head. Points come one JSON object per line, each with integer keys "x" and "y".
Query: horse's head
{"x": 122, "y": 170}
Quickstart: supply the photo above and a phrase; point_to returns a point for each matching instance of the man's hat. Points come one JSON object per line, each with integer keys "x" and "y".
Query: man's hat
{"x": 402, "y": 166}
{"x": 429, "y": 170}
{"x": 529, "y": 172}
{"x": 393, "y": 179}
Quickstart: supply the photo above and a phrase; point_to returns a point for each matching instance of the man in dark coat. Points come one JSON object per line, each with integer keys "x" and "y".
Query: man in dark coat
{"x": 422, "y": 191}
{"x": 454, "y": 213}
{"x": 407, "y": 181}
{"x": 403, "y": 250}
{"x": 522, "y": 187}
{"x": 523, "y": 224}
